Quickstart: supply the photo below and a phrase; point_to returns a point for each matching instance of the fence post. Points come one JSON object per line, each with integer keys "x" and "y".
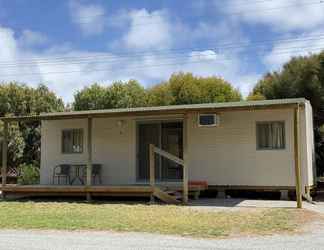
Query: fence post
{"x": 185, "y": 188}
{"x": 89, "y": 162}
{"x": 4, "y": 157}
{"x": 152, "y": 169}
{"x": 296, "y": 156}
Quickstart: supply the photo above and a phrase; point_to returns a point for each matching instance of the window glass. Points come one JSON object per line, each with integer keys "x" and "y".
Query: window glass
{"x": 72, "y": 141}
{"x": 207, "y": 120}
{"x": 271, "y": 135}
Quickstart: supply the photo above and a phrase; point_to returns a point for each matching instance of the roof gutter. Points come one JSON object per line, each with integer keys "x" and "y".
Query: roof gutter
{"x": 171, "y": 111}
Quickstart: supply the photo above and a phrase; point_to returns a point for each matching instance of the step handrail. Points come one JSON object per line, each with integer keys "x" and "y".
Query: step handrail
{"x": 169, "y": 156}
{"x": 155, "y": 150}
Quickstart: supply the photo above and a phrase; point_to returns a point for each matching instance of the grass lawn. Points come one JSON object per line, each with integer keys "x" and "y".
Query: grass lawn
{"x": 143, "y": 218}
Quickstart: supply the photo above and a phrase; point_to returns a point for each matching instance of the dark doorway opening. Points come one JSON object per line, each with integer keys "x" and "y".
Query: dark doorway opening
{"x": 167, "y": 135}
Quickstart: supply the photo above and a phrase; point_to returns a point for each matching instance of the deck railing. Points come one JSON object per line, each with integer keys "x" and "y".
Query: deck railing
{"x": 155, "y": 150}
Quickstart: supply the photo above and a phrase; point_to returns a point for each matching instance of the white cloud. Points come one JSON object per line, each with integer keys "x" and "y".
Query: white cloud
{"x": 229, "y": 66}
{"x": 32, "y": 38}
{"x": 90, "y": 18}
{"x": 8, "y": 45}
{"x": 144, "y": 30}
{"x": 27, "y": 66}
{"x": 300, "y": 22}
{"x": 281, "y": 15}
{"x": 222, "y": 32}
{"x": 148, "y": 30}
{"x": 205, "y": 55}
{"x": 48, "y": 68}
{"x": 246, "y": 81}
{"x": 282, "y": 51}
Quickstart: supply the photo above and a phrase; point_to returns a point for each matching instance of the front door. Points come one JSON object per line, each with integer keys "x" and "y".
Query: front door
{"x": 165, "y": 135}
{"x": 147, "y": 134}
{"x": 171, "y": 141}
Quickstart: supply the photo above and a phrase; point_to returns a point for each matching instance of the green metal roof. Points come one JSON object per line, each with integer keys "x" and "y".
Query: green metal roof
{"x": 161, "y": 109}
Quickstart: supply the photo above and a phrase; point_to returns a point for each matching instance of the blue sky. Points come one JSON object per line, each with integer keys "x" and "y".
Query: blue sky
{"x": 70, "y": 44}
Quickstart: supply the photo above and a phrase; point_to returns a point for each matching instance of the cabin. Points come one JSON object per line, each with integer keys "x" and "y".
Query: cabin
{"x": 174, "y": 151}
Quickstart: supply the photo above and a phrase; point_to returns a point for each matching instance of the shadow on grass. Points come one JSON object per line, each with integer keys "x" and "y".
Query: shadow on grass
{"x": 236, "y": 198}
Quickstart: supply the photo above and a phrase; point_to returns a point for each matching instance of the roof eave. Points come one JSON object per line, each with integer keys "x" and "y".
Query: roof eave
{"x": 181, "y": 109}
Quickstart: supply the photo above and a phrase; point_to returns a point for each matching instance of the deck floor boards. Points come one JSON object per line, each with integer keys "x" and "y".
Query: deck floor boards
{"x": 74, "y": 189}
{"x": 136, "y": 190}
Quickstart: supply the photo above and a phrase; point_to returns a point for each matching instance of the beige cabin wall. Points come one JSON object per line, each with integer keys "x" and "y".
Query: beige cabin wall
{"x": 51, "y": 147}
{"x": 227, "y": 154}
{"x": 113, "y": 147}
{"x": 223, "y": 155}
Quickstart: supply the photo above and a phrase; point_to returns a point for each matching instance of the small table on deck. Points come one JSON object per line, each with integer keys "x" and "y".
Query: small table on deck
{"x": 78, "y": 171}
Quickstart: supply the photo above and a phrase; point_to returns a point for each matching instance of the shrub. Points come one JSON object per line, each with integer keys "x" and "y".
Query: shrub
{"x": 28, "y": 174}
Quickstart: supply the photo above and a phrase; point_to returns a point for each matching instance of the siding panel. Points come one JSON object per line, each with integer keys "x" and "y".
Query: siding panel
{"x": 223, "y": 155}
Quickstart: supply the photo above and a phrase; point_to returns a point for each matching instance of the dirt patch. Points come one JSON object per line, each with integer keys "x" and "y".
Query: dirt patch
{"x": 310, "y": 221}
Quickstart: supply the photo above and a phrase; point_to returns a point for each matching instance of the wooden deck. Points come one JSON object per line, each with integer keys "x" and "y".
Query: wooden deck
{"x": 65, "y": 190}
{"x": 58, "y": 190}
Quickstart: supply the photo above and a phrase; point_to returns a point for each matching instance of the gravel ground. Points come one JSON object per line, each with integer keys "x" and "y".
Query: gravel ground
{"x": 58, "y": 240}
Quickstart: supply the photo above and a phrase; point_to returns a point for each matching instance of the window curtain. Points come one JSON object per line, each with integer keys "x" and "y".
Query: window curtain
{"x": 277, "y": 135}
{"x": 271, "y": 135}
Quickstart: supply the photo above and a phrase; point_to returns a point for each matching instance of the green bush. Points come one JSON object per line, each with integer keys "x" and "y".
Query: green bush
{"x": 28, "y": 174}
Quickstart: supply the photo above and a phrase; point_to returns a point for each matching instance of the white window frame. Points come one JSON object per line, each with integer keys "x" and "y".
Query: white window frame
{"x": 216, "y": 119}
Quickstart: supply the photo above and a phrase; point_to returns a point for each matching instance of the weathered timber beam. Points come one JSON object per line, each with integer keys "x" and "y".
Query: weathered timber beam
{"x": 89, "y": 162}
{"x": 296, "y": 156}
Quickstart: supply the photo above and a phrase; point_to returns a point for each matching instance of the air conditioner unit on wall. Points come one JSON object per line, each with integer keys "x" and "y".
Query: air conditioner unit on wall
{"x": 208, "y": 120}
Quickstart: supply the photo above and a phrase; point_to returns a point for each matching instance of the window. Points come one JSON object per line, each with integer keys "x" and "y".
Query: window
{"x": 72, "y": 141}
{"x": 270, "y": 135}
{"x": 207, "y": 120}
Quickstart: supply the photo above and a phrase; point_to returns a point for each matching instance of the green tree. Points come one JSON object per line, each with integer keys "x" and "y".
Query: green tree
{"x": 20, "y": 99}
{"x": 215, "y": 89}
{"x": 181, "y": 88}
{"x": 16, "y": 145}
{"x": 118, "y": 95}
{"x": 127, "y": 94}
{"x": 160, "y": 95}
{"x": 256, "y": 97}
{"x": 185, "y": 88}
{"x": 24, "y": 138}
{"x": 93, "y": 97}
{"x": 300, "y": 77}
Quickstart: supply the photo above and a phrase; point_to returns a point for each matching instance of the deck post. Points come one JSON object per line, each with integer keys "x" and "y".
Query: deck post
{"x": 296, "y": 157}
{"x": 185, "y": 191}
{"x": 89, "y": 162}
{"x": 4, "y": 156}
{"x": 152, "y": 170}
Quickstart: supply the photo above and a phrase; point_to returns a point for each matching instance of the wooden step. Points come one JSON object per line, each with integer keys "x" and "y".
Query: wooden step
{"x": 175, "y": 194}
{"x": 164, "y": 196}
{"x": 178, "y": 194}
